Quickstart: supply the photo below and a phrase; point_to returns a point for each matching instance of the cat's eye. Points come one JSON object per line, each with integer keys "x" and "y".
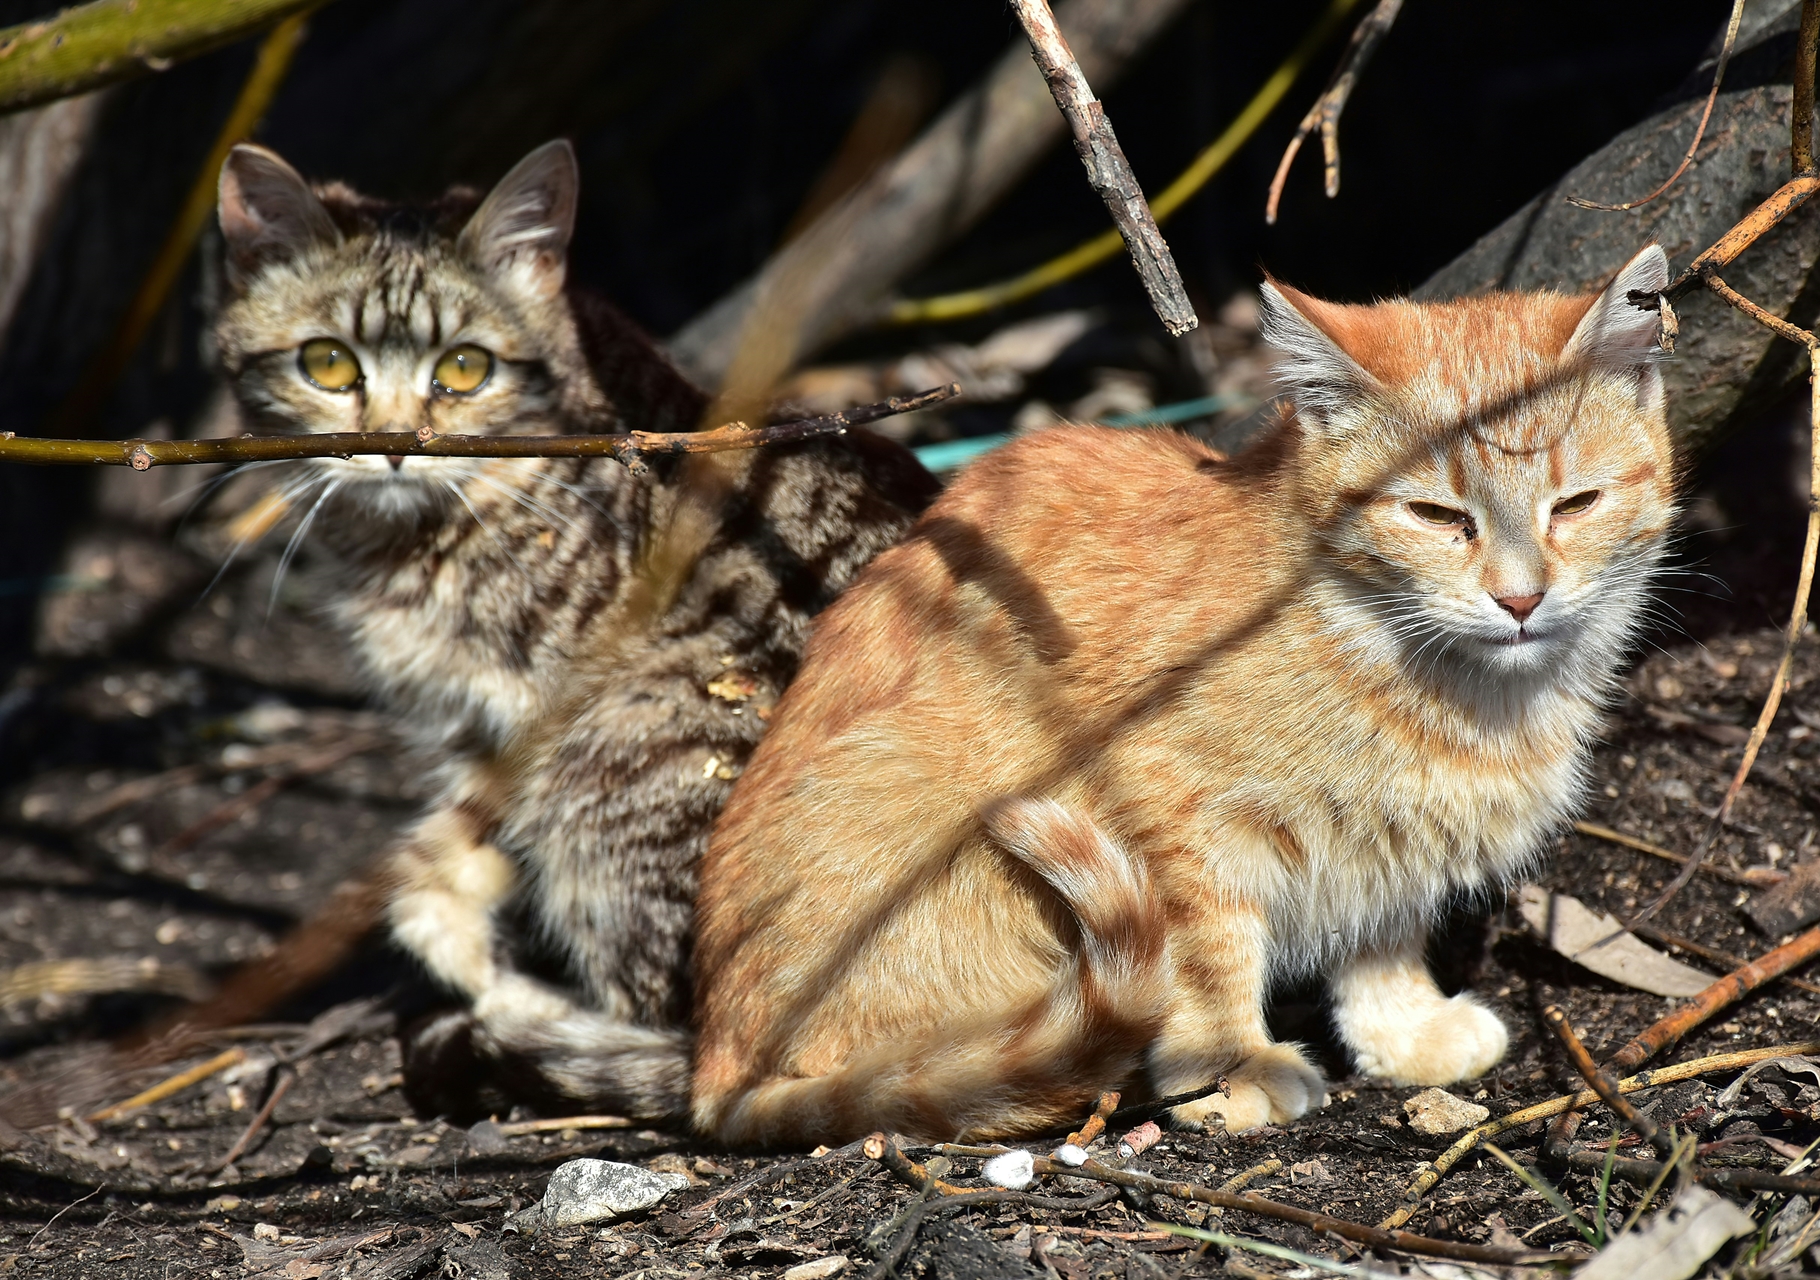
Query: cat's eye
{"x": 1435, "y": 513}
{"x": 329, "y": 364}
{"x": 1575, "y": 505}
{"x": 463, "y": 369}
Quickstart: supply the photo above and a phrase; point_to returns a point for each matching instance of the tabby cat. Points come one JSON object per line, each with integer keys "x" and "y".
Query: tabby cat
{"x": 1125, "y": 731}
{"x": 588, "y": 655}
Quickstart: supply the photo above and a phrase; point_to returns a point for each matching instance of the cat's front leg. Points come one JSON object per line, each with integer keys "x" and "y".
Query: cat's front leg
{"x": 1401, "y": 1028}
{"x": 1215, "y": 1030}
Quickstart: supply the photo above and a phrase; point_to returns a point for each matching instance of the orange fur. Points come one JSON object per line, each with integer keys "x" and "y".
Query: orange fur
{"x": 1123, "y": 730}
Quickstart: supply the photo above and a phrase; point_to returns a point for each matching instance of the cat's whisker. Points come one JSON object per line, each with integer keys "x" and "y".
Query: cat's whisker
{"x": 290, "y": 549}
{"x": 289, "y": 492}
{"x": 486, "y": 528}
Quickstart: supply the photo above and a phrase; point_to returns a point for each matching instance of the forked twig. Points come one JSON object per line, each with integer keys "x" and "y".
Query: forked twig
{"x": 1756, "y": 877}
{"x": 1602, "y": 1083}
{"x": 1725, "y": 56}
{"x": 1108, "y": 172}
{"x": 882, "y": 1149}
{"x": 1325, "y": 113}
{"x": 1428, "y": 1177}
{"x": 142, "y": 455}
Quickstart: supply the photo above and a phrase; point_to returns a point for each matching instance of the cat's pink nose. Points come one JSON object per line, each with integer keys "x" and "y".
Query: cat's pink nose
{"x": 1519, "y": 607}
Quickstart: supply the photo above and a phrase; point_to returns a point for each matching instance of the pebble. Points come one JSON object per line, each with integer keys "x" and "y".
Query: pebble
{"x": 583, "y": 1191}
{"x": 1437, "y": 1113}
{"x": 818, "y": 1269}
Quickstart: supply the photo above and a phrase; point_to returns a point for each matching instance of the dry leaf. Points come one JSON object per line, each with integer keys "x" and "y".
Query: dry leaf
{"x": 1596, "y": 941}
{"x": 1676, "y": 1244}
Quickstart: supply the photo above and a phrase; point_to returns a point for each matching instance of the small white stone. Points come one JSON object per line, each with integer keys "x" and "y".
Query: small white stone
{"x": 1070, "y": 1154}
{"x": 1437, "y": 1113}
{"x": 583, "y": 1191}
{"x": 817, "y": 1269}
{"x": 1013, "y": 1170}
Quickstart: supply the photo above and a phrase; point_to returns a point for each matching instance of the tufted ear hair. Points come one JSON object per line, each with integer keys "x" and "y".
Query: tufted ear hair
{"x": 1615, "y": 335}
{"x": 521, "y": 230}
{"x": 1315, "y": 370}
{"x": 268, "y": 212}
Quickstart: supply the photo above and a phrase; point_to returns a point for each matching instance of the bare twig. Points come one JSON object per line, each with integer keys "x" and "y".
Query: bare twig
{"x": 1801, "y": 130}
{"x": 1108, "y": 172}
{"x": 516, "y": 1127}
{"x": 882, "y": 1149}
{"x": 142, "y": 455}
{"x": 1431, "y": 1174}
{"x": 1725, "y": 55}
{"x": 1096, "y": 1123}
{"x": 254, "y": 796}
{"x": 176, "y": 1084}
{"x": 33, "y": 1242}
{"x": 287, "y": 1076}
{"x": 1722, "y": 994}
{"x": 1713, "y": 954}
{"x": 1756, "y": 877}
{"x": 1790, "y": 196}
{"x": 1603, "y": 1084}
{"x": 1647, "y": 1171}
{"x": 1325, "y": 113}
{"x": 98, "y": 975}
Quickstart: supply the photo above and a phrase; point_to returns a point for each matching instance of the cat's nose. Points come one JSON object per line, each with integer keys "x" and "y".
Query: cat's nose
{"x": 1519, "y": 607}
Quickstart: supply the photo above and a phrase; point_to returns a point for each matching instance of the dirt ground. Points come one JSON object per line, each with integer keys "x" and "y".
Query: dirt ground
{"x": 142, "y": 677}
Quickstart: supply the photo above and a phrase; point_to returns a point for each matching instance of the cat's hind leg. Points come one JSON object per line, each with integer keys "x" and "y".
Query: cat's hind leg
{"x": 1401, "y": 1028}
{"x": 996, "y": 1074}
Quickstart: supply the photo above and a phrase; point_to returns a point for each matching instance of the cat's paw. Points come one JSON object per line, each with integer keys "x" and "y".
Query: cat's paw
{"x": 1457, "y": 1039}
{"x": 514, "y": 998}
{"x": 1273, "y": 1086}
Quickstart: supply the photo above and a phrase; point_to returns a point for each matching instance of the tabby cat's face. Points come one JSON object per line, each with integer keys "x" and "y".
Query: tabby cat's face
{"x": 1493, "y": 479}
{"x": 344, "y": 324}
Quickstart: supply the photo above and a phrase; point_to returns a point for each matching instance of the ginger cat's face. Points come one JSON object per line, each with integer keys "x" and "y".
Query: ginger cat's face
{"x": 1493, "y": 488}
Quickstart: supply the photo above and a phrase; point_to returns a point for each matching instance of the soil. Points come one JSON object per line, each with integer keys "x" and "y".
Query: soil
{"x": 142, "y": 676}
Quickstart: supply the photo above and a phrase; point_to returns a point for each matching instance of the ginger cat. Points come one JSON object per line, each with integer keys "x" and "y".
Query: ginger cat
{"x": 1125, "y": 731}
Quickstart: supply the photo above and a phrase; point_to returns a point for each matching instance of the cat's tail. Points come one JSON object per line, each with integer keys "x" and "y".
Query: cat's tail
{"x": 997, "y": 1076}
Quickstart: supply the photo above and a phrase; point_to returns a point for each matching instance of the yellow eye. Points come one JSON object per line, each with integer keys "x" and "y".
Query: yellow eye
{"x": 1435, "y": 513}
{"x": 463, "y": 369}
{"x": 328, "y": 364}
{"x": 1575, "y": 505}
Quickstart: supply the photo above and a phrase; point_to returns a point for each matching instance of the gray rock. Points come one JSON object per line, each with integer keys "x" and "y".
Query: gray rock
{"x": 583, "y": 1191}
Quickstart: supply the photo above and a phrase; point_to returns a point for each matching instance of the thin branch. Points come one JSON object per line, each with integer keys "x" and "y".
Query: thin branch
{"x": 1096, "y": 1123}
{"x": 1432, "y": 1174}
{"x": 287, "y": 1076}
{"x": 1602, "y": 1083}
{"x": 142, "y": 455}
{"x": 1721, "y": 995}
{"x": 1647, "y": 1171}
{"x": 882, "y": 1149}
{"x": 91, "y": 45}
{"x": 176, "y": 1084}
{"x": 1725, "y": 959}
{"x": 1790, "y": 196}
{"x": 1108, "y": 172}
{"x": 1756, "y": 877}
{"x": 1725, "y": 56}
{"x": 1325, "y": 113}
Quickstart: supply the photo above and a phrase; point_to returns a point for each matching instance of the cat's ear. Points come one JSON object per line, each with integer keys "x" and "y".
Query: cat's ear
{"x": 268, "y": 212}
{"x": 521, "y": 230}
{"x": 1315, "y": 370}
{"x": 1615, "y": 335}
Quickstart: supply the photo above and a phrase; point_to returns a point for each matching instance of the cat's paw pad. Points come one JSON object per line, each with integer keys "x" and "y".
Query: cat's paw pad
{"x": 1273, "y": 1086}
{"x": 1459, "y": 1039}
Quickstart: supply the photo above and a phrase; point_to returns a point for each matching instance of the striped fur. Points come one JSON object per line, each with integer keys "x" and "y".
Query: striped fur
{"x": 587, "y": 656}
{"x": 1231, "y": 720}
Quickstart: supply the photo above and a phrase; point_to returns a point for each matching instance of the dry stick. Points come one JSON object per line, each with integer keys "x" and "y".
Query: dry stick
{"x": 882, "y": 1149}
{"x": 1096, "y": 1123}
{"x": 1756, "y": 877}
{"x": 1602, "y": 1083}
{"x": 1108, "y": 172}
{"x": 1783, "y": 201}
{"x": 1327, "y": 108}
{"x": 1801, "y": 131}
{"x": 1725, "y": 55}
{"x": 142, "y": 455}
{"x": 1432, "y": 1173}
{"x": 256, "y": 795}
{"x": 287, "y": 1076}
{"x": 176, "y": 1084}
{"x": 1713, "y": 954}
{"x": 557, "y": 1125}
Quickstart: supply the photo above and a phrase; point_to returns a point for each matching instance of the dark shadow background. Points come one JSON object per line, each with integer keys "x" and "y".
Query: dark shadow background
{"x": 702, "y": 123}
